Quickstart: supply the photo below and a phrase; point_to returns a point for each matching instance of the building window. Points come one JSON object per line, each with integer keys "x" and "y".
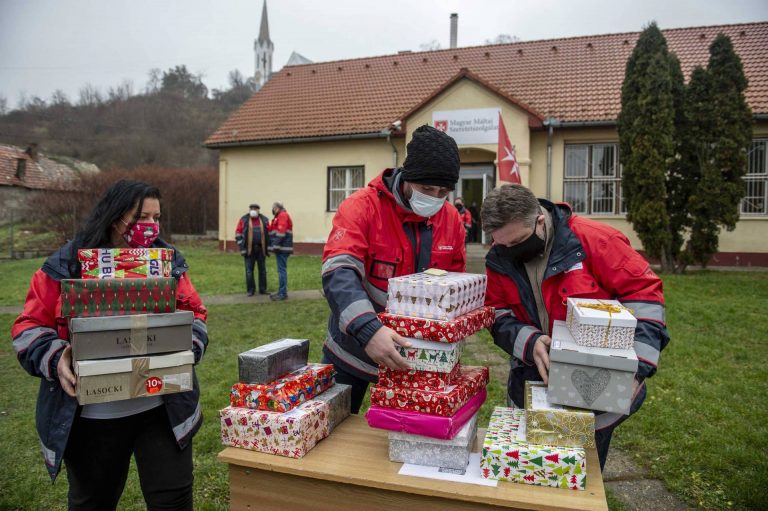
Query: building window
{"x": 343, "y": 182}
{"x": 592, "y": 182}
{"x": 755, "y": 201}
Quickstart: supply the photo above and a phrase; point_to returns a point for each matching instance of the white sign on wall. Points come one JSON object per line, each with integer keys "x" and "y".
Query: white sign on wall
{"x": 470, "y": 126}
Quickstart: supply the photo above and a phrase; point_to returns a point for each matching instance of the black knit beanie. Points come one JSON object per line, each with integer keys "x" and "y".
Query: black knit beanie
{"x": 433, "y": 158}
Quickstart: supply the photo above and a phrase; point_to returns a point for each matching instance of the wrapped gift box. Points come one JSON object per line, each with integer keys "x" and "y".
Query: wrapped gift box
{"x": 284, "y": 393}
{"x": 445, "y": 403}
{"x": 592, "y": 378}
{"x": 115, "y": 379}
{"x": 600, "y": 323}
{"x": 431, "y": 356}
{"x": 433, "y": 452}
{"x": 423, "y": 424}
{"x": 292, "y": 434}
{"x": 123, "y": 263}
{"x": 117, "y": 297}
{"x": 442, "y": 296}
{"x": 507, "y": 456}
{"x": 440, "y": 331}
{"x": 339, "y": 399}
{"x": 137, "y": 334}
{"x": 424, "y": 380}
{"x": 269, "y": 362}
{"x": 551, "y": 424}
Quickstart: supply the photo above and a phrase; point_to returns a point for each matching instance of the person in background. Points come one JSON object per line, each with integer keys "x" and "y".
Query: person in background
{"x": 542, "y": 254}
{"x": 96, "y": 441}
{"x": 466, "y": 217}
{"x": 251, "y": 237}
{"x": 399, "y": 224}
{"x": 281, "y": 243}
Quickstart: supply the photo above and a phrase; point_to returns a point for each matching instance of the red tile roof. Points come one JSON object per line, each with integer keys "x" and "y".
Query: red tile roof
{"x": 44, "y": 173}
{"x": 574, "y": 79}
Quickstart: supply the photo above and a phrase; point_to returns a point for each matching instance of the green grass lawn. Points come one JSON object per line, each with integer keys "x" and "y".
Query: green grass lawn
{"x": 702, "y": 430}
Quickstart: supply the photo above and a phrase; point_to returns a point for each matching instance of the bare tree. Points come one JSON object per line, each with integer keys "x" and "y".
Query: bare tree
{"x": 154, "y": 81}
{"x": 59, "y": 98}
{"x": 3, "y": 105}
{"x": 432, "y": 45}
{"x": 89, "y": 95}
{"x": 503, "y": 39}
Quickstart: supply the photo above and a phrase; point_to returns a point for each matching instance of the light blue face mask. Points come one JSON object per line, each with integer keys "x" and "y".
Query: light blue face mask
{"x": 425, "y": 205}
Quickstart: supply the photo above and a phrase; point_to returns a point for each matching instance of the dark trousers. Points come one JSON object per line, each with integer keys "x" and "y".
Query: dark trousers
{"x": 359, "y": 385}
{"x": 250, "y": 261}
{"x": 98, "y": 456}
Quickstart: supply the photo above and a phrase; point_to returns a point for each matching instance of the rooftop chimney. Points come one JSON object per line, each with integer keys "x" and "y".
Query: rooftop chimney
{"x": 31, "y": 151}
{"x": 454, "y": 28}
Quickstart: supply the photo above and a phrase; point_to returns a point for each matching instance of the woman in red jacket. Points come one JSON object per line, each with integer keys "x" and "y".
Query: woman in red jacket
{"x": 97, "y": 441}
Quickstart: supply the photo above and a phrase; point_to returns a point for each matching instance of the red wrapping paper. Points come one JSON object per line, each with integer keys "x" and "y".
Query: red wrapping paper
{"x": 413, "y": 379}
{"x": 444, "y": 403}
{"x": 285, "y": 393}
{"x": 440, "y": 331}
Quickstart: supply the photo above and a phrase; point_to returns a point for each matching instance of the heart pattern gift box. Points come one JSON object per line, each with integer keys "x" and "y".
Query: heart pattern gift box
{"x": 592, "y": 378}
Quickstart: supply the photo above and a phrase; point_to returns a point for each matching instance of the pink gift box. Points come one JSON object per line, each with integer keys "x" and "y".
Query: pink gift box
{"x": 416, "y": 423}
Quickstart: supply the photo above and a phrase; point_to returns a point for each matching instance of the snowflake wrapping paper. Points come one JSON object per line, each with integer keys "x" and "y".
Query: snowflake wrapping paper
{"x": 285, "y": 393}
{"x": 292, "y": 434}
{"x": 451, "y": 331}
{"x": 469, "y": 382}
{"x": 506, "y": 456}
{"x": 443, "y": 297}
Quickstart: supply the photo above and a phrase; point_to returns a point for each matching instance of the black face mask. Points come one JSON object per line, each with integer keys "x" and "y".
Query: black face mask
{"x": 460, "y": 207}
{"x": 525, "y": 250}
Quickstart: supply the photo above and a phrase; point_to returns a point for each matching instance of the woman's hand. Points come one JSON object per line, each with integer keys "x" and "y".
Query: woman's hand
{"x": 67, "y": 378}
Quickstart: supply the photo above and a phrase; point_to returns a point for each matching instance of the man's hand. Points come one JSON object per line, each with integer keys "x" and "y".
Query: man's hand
{"x": 381, "y": 349}
{"x": 67, "y": 378}
{"x": 541, "y": 356}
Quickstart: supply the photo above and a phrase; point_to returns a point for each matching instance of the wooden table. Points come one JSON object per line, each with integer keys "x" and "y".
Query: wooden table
{"x": 350, "y": 471}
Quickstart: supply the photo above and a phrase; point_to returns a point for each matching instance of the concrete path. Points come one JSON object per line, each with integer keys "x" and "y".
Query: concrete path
{"x": 634, "y": 488}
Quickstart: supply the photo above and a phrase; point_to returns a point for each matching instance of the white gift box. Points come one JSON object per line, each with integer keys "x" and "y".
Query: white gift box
{"x": 436, "y": 295}
{"x": 600, "y": 323}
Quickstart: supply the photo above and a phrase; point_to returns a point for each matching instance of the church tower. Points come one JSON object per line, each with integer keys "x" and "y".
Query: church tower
{"x": 263, "y": 49}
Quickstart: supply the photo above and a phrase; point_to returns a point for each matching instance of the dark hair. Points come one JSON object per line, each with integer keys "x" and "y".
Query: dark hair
{"x": 120, "y": 198}
{"x": 509, "y": 203}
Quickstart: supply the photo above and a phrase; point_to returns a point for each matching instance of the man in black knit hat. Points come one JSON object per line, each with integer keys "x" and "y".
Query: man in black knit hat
{"x": 399, "y": 224}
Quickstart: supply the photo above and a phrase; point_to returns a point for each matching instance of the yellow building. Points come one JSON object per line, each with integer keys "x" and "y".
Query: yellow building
{"x": 317, "y": 132}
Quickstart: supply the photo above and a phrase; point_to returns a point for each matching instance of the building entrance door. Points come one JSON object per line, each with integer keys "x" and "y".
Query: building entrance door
{"x": 475, "y": 181}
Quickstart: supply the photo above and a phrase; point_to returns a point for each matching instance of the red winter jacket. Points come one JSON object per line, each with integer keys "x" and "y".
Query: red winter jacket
{"x": 466, "y": 218}
{"x": 589, "y": 260}
{"x": 281, "y": 233}
{"x": 375, "y": 238}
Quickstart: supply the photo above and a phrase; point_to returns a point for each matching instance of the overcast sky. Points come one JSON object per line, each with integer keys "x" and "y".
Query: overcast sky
{"x": 63, "y": 44}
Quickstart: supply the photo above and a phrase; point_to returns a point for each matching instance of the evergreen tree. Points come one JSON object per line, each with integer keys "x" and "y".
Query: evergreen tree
{"x": 647, "y": 141}
{"x": 721, "y": 127}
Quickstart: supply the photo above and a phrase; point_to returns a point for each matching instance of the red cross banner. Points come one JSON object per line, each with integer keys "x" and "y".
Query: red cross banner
{"x": 509, "y": 170}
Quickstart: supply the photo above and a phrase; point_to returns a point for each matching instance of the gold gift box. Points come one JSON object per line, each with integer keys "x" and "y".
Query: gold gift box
{"x": 551, "y": 424}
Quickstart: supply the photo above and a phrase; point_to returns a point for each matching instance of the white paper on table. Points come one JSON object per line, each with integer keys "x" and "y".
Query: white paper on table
{"x": 471, "y": 476}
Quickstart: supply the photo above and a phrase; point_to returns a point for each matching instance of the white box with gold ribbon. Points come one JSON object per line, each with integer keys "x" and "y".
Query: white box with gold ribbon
{"x": 601, "y": 323}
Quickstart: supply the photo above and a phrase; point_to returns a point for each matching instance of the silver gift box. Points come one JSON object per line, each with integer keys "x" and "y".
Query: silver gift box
{"x": 339, "y": 399}
{"x": 434, "y": 452}
{"x": 269, "y": 362}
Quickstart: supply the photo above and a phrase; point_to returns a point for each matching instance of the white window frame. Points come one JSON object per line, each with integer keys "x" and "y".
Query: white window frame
{"x": 349, "y": 187}
{"x": 756, "y": 175}
{"x": 591, "y": 181}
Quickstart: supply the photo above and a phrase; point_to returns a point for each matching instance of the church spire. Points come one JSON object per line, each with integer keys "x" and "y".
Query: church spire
{"x": 264, "y": 30}
{"x": 263, "y": 49}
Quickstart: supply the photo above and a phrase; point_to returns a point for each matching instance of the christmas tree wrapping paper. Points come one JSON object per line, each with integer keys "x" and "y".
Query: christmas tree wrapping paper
{"x": 507, "y": 456}
{"x": 591, "y": 378}
{"x": 451, "y": 331}
{"x": 269, "y": 362}
{"x": 469, "y": 382}
{"x": 339, "y": 399}
{"x": 117, "y": 297}
{"x": 285, "y": 393}
{"x": 292, "y": 434}
{"x": 434, "y": 426}
{"x": 431, "y": 356}
{"x": 441, "y": 295}
{"x": 432, "y": 452}
{"x": 424, "y": 380}
{"x": 600, "y": 323}
{"x": 125, "y": 263}
{"x": 551, "y": 424}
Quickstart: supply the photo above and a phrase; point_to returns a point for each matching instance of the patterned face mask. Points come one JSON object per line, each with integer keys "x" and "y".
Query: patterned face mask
{"x": 141, "y": 234}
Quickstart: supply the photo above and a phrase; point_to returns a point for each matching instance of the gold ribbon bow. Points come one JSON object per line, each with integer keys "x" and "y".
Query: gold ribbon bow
{"x": 610, "y": 308}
